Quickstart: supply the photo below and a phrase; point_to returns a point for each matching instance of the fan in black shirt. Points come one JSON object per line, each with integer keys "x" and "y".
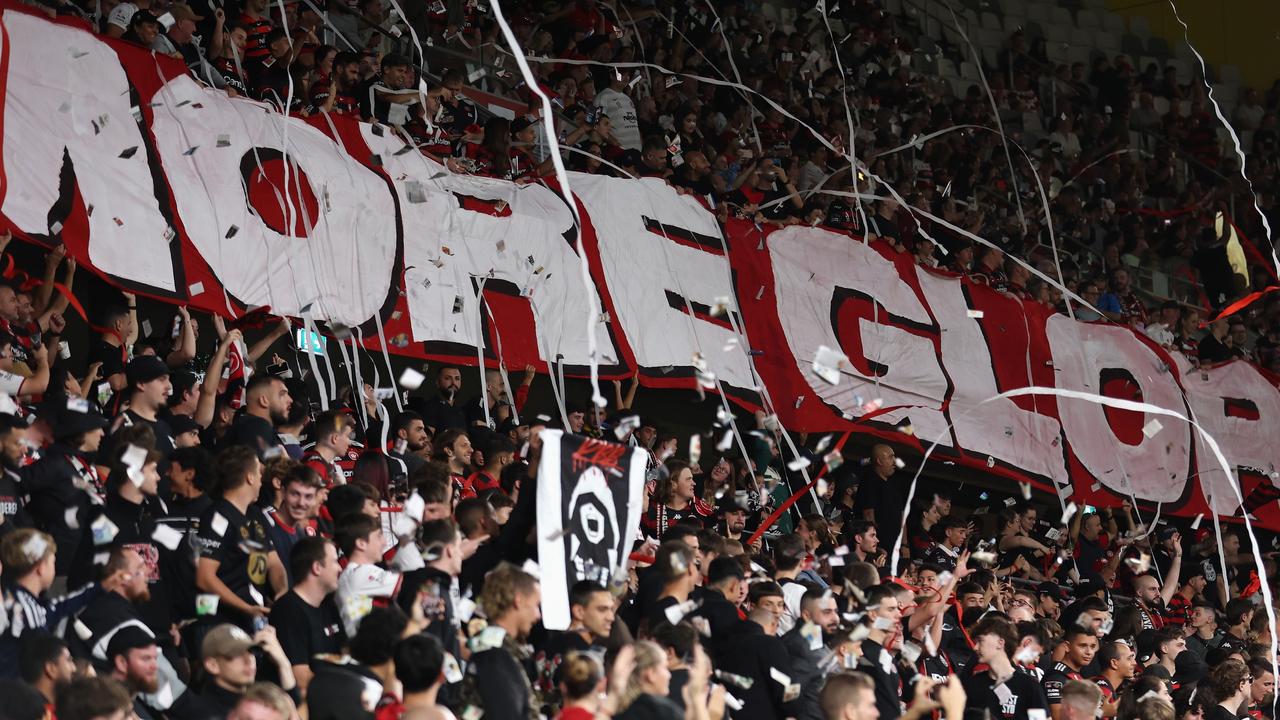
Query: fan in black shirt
{"x": 994, "y": 685}
{"x": 306, "y": 618}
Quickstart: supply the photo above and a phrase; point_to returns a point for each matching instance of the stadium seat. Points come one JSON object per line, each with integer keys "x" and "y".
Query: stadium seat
{"x": 1146, "y": 60}
{"x": 1132, "y": 44}
{"x": 1113, "y": 22}
{"x": 1061, "y": 16}
{"x": 1107, "y": 40}
{"x": 969, "y": 71}
{"x": 1057, "y": 52}
{"x": 1038, "y": 12}
{"x": 1161, "y": 105}
{"x": 1057, "y": 33}
{"x": 1229, "y": 74}
{"x": 1087, "y": 19}
{"x": 1082, "y": 37}
{"x": 1158, "y": 47}
{"x": 1138, "y": 25}
{"x": 991, "y": 21}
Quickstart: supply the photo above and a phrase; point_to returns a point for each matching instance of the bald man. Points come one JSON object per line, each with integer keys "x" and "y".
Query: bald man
{"x": 880, "y": 501}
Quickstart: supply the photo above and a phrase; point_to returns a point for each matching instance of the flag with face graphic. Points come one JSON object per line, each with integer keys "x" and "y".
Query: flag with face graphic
{"x": 589, "y": 495}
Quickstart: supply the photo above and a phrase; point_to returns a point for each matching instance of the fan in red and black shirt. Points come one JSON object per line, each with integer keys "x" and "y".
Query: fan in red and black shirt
{"x": 675, "y": 501}
{"x": 1178, "y": 612}
{"x": 257, "y": 26}
{"x": 333, "y": 431}
{"x": 1118, "y": 663}
{"x": 337, "y": 93}
{"x": 1082, "y": 645}
{"x": 1152, "y": 599}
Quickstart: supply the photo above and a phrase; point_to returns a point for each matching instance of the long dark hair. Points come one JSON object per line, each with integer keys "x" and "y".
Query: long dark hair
{"x": 497, "y": 140}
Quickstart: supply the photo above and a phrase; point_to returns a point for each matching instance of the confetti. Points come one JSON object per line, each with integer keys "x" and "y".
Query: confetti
{"x": 128, "y": 152}
{"x": 828, "y": 363}
{"x": 975, "y": 314}
{"x": 1151, "y": 428}
{"x": 411, "y": 379}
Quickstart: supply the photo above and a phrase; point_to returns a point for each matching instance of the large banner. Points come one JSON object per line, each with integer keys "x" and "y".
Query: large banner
{"x": 172, "y": 189}
{"x": 589, "y": 507}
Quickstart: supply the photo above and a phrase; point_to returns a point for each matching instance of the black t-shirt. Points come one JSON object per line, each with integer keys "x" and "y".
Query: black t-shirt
{"x": 1217, "y": 712}
{"x": 305, "y": 631}
{"x": 164, "y": 437}
{"x": 1016, "y": 697}
{"x": 884, "y": 673}
{"x": 241, "y": 543}
{"x": 889, "y": 501}
{"x": 253, "y": 432}
{"x": 440, "y": 415}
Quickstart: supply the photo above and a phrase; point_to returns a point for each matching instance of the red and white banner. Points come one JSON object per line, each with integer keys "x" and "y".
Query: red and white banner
{"x": 174, "y": 190}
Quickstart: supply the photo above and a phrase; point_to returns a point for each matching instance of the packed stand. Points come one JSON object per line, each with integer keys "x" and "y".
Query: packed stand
{"x": 181, "y": 542}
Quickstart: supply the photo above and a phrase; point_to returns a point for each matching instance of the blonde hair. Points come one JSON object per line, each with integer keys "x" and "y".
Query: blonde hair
{"x": 271, "y": 696}
{"x": 24, "y": 549}
{"x": 501, "y": 586}
{"x": 580, "y": 674}
{"x": 648, "y": 656}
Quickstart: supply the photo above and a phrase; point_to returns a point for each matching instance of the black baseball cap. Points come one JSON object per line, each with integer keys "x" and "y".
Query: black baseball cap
{"x": 145, "y": 368}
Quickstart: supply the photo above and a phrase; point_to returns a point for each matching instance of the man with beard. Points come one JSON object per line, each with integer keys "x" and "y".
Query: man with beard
{"x": 500, "y": 417}
{"x": 1152, "y": 599}
{"x": 496, "y": 678}
{"x": 409, "y": 441}
{"x": 114, "y": 611}
{"x": 134, "y": 660}
{"x": 12, "y": 515}
{"x": 266, "y": 406}
{"x": 46, "y": 664}
{"x": 734, "y": 525}
{"x": 337, "y": 93}
{"x": 807, "y": 647}
{"x": 444, "y": 412}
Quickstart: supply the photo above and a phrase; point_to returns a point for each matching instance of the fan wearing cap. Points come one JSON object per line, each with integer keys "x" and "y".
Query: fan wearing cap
{"x": 146, "y": 396}
{"x": 177, "y": 39}
{"x": 231, "y": 664}
{"x": 121, "y": 16}
{"x": 63, "y": 483}
{"x": 134, "y": 660}
{"x": 144, "y": 28}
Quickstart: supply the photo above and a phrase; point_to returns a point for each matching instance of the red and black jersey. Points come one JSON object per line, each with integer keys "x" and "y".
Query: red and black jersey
{"x": 480, "y": 481}
{"x": 329, "y": 471}
{"x": 1178, "y": 612}
{"x": 1108, "y": 692}
{"x": 256, "y": 31}
{"x": 344, "y": 104}
{"x": 1055, "y": 678}
{"x": 660, "y": 517}
{"x": 231, "y": 75}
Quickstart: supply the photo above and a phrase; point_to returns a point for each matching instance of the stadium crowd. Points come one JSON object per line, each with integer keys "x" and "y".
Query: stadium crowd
{"x": 178, "y": 543}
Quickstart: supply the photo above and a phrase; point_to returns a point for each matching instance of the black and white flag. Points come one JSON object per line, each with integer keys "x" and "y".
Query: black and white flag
{"x": 589, "y": 495}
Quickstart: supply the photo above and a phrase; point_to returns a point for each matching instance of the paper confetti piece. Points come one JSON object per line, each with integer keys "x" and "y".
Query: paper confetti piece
{"x": 411, "y": 379}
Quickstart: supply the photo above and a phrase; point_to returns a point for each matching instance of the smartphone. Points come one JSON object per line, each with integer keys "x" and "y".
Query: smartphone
{"x": 1090, "y": 509}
